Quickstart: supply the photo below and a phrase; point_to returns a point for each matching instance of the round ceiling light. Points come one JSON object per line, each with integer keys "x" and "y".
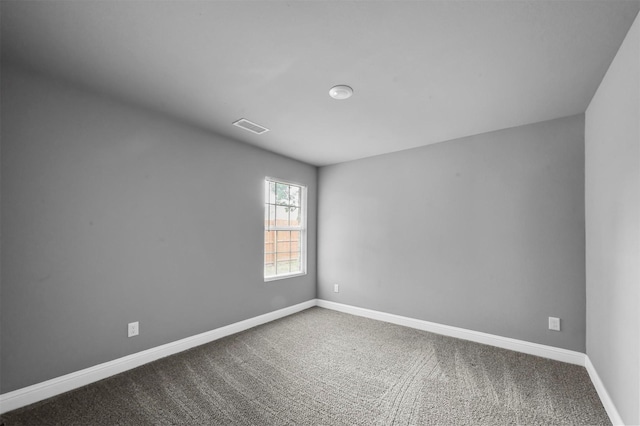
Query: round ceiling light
{"x": 341, "y": 92}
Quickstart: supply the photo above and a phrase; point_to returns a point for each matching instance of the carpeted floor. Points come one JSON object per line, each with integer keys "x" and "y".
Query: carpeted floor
{"x": 321, "y": 367}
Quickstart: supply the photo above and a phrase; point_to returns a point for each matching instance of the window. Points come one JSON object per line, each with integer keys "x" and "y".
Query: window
{"x": 284, "y": 229}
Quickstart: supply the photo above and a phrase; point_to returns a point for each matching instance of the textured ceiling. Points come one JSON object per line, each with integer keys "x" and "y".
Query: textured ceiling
{"x": 423, "y": 72}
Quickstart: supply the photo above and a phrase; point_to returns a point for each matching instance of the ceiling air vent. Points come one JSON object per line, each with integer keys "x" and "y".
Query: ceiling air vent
{"x": 252, "y": 127}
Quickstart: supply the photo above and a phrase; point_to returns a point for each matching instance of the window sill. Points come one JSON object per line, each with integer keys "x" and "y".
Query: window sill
{"x": 282, "y": 277}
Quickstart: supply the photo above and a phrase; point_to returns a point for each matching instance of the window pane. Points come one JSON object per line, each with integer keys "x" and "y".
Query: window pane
{"x": 282, "y": 216}
{"x": 284, "y": 246}
{"x": 269, "y": 267}
{"x": 266, "y": 216}
{"x": 295, "y": 265}
{"x": 269, "y": 241}
{"x": 283, "y": 268}
{"x": 284, "y": 256}
{"x": 283, "y": 263}
{"x": 282, "y": 194}
{"x": 272, "y": 193}
{"x": 271, "y": 209}
{"x": 294, "y": 195}
{"x": 295, "y": 235}
{"x": 294, "y": 216}
{"x": 269, "y": 259}
{"x": 284, "y": 235}
{"x": 269, "y": 255}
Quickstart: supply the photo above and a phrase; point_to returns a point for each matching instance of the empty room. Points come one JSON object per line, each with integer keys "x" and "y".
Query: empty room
{"x": 320, "y": 212}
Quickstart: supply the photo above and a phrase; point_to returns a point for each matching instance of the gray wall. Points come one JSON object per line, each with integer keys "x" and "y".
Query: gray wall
{"x": 111, "y": 214}
{"x": 484, "y": 233}
{"x": 612, "y": 202}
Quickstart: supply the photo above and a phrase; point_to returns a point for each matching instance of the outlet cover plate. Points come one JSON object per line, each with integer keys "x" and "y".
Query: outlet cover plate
{"x": 554, "y": 324}
{"x": 133, "y": 329}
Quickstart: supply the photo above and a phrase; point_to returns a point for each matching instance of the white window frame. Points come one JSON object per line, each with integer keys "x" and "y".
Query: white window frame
{"x": 302, "y": 229}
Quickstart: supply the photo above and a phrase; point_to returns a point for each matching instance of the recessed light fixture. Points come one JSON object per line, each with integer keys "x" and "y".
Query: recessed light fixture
{"x": 341, "y": 92}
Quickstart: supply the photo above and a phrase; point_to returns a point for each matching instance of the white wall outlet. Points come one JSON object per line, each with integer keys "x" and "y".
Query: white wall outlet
{"x": 133, "y": 329}
{"x": 336, "y": 288}
{"x": 554, "y": 323}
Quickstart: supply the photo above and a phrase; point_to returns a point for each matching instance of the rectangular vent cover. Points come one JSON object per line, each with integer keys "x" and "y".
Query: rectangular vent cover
{"x": 252, "y": 127}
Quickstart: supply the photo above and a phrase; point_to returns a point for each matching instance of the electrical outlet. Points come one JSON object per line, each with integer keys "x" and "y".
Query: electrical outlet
{"x": 133, "y": 329}
{"x": 336, "y": 288}
{"x": 554, "y": 324}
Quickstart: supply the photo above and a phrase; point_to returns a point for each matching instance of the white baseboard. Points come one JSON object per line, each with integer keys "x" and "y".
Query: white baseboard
{"x": 550, "y": 352}
{"x": 608, "y": 404}
{"x": 544, "y": 351}
{"x": 40, "y": 391}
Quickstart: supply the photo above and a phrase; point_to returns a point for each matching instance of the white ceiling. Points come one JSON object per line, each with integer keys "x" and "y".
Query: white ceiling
{"x": 422, "y": 72}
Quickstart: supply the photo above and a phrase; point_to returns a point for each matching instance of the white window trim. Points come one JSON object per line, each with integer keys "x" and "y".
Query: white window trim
{"x": 302, "y": 229}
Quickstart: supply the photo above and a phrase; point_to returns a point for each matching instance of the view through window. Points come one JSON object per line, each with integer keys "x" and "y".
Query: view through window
{"x": 284, "y": 229}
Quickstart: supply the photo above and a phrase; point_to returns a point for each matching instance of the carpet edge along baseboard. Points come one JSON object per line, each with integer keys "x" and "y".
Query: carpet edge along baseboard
{"x": 58, "y": 385}
{"x": 40, "y": 391}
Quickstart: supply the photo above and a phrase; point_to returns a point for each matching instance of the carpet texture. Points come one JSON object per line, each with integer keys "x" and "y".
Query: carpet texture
{"x": 321, "y": 367}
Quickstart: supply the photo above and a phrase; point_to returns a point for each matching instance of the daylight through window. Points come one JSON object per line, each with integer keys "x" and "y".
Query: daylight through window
{"x": 284, "y": 229}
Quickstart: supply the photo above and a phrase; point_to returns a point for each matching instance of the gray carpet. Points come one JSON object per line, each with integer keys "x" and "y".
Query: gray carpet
{"x": 321, "y": 367}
